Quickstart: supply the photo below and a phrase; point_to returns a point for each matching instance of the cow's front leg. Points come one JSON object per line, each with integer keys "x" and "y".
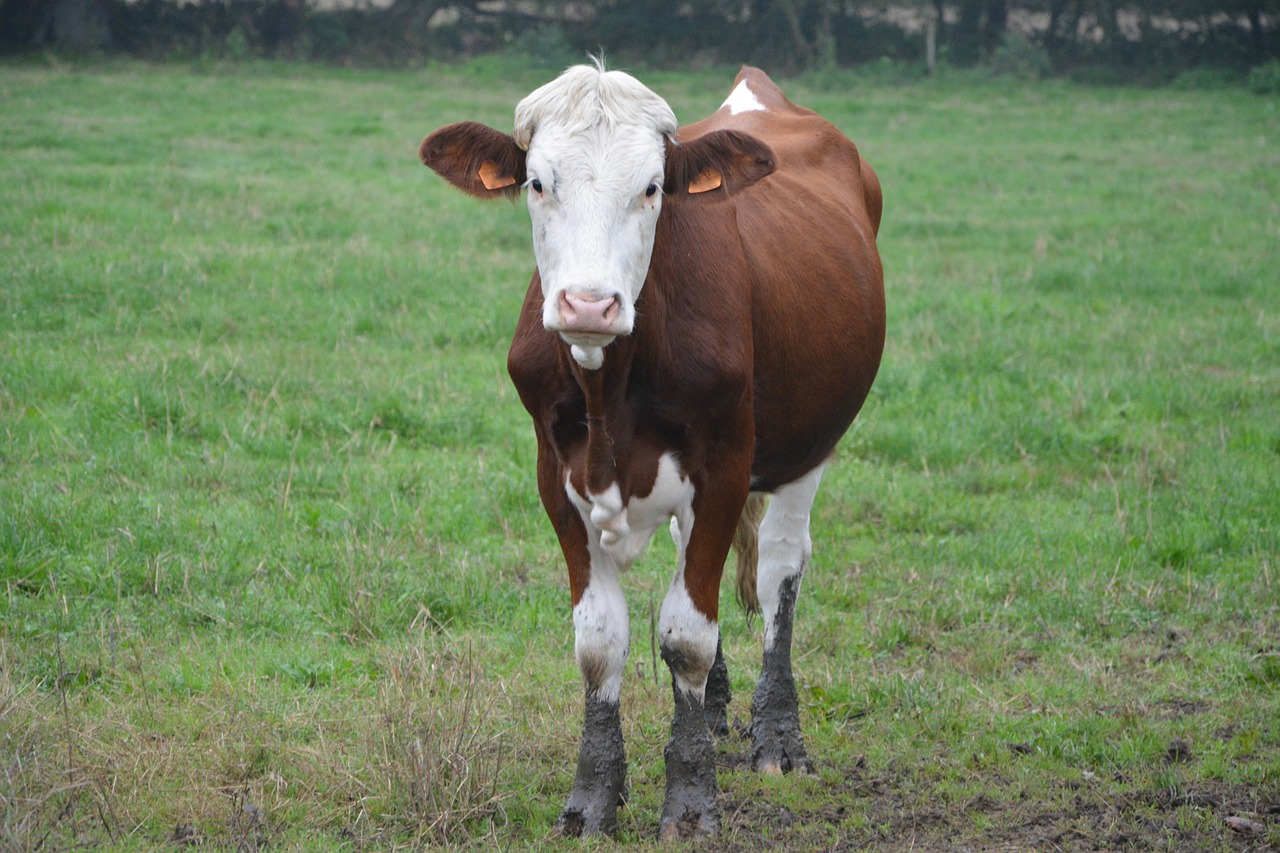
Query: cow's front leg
{"x": 717, "y": 695}
{"x": 602, "y": 634}
{"x": 690, "y": 641}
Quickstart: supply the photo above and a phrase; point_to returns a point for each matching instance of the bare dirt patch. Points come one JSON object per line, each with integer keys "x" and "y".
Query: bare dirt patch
{"x": 880, "y": 812}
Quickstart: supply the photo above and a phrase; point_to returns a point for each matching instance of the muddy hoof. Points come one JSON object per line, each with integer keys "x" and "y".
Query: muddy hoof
{"x": 576, "y": 822}
{"x": 779, "y": 765}
{"x": 590, "y": 815}
{"x": 783, "y": 756}
{"x": 571, "y": 824}
{"x": 601, "y": 782}
{"x": 690, "y": 824}
{"x": 775, "y": 767}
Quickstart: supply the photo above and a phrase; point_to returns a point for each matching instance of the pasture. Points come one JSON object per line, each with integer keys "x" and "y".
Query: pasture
{"x": 272, "y": 566}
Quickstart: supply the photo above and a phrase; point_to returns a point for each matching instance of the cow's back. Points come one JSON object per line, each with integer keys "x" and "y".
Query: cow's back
{"x": 808, "y": 235}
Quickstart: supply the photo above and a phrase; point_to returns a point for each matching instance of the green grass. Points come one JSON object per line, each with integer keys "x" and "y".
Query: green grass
{"x": 273, "y": 566}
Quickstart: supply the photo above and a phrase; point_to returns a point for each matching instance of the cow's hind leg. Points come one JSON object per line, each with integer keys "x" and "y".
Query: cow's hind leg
{"x": 777, "y": 745}
{"x": 602, "y": 635}
{"x": 716, "y": 700}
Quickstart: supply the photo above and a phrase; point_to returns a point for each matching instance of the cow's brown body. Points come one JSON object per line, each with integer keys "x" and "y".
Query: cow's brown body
{"x": 758, "y": 335}
{"x": 756, "y": 339}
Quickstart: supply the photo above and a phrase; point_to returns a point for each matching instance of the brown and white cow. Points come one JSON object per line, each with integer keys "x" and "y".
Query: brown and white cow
{"x": 705, "y": 321}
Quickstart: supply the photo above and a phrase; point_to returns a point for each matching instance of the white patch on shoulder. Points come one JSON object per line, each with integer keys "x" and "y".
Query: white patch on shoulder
{"x": 743, "y": 100}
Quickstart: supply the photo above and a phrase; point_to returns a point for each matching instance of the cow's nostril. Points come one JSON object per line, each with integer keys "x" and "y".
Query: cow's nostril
{"x": 567, "y": 311}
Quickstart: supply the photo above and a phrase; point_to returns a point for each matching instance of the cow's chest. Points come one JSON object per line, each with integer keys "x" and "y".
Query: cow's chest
{"x": 621, "y": 521}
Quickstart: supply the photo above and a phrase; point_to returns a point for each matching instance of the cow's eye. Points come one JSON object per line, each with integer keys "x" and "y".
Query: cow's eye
{"x": 536, "y": 184}
{"x": 653, "y": 188}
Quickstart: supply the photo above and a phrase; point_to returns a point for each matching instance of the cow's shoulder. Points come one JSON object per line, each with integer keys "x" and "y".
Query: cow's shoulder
{"x": 755, "y": 105}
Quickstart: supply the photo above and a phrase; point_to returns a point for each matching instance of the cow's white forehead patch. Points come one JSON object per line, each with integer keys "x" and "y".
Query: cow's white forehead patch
{"x": 743, "y": 100}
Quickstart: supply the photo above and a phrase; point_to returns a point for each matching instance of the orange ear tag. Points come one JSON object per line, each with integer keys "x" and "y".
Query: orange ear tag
{"x": 707, "y": 180}
{"x": 491, "y": 176}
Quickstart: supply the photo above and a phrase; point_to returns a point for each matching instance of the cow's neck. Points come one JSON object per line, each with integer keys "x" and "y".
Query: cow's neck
{"x": 604, "y": 390}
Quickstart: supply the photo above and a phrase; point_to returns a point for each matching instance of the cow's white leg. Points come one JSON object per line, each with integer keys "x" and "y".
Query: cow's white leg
{"x": 717, "y": 694}
{"x": 689, "y": 640}
{"x": 785, "y": 546}
{"x": 602, "y": 631}
{"x": 602, "y": 635}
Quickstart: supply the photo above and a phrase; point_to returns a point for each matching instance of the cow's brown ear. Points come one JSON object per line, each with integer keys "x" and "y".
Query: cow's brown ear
{"x": 477, "y": 159}
{"x": 723, "y": 160}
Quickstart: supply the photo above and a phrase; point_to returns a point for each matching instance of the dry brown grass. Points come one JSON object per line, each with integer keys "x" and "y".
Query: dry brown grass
{"x": 416, "y": 759}
{"x": 440, "y": 745}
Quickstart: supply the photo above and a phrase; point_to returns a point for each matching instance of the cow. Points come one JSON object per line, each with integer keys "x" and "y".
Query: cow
{"x": 704, "y": 322}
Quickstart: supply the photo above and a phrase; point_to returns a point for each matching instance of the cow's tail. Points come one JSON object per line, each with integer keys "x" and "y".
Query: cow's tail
{"x": 746, "y": 541}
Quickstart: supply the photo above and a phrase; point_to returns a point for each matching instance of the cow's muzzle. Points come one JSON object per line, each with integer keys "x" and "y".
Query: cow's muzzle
{"x": 587, "y": 314}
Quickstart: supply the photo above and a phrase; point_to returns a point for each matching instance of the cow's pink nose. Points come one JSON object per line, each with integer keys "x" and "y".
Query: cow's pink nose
{"x": 581, "y": 313}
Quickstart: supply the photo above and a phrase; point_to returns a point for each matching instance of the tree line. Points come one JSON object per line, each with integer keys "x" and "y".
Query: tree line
{"x": 1145, "y": 37}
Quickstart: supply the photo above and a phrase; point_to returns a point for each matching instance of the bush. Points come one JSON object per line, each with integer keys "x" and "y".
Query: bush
{"x": 1207, "y": 79}
{"x": 1099, "y": 75}
{"x": 1021, "y": 58}
{"x": 326, "y": 37}
{"x": 883, "y": 71}
{"x": 546, "y": 47}
{"x": 1265, "y": 79}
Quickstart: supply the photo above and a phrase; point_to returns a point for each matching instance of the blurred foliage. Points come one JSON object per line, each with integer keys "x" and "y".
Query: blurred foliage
{"x": 1265, "y": 79}
{"x": 1126, "y": 40}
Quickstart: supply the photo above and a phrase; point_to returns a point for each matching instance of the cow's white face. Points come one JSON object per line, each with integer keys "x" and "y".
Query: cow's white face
{"x": 594, "y": 164}
{"x": 594, "y": 199}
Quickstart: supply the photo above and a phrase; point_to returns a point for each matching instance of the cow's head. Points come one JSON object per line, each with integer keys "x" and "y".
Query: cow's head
{"x": 596, "y": 152}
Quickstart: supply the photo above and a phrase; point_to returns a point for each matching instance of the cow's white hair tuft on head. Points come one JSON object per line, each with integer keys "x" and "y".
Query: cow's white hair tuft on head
{"x": 586, "y": 96}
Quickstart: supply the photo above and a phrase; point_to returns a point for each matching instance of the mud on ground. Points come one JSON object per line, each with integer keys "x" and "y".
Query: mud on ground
{"x": 889, "y": 812}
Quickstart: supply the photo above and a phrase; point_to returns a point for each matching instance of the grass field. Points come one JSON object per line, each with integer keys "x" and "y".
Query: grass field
{"x": 272, "y": 566}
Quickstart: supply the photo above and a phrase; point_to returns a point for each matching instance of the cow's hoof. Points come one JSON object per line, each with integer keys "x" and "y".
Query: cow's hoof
{"x": 777, "y": 746}
{"x": 588, "y": 815}
{"x": 780, "y": 765}
{"x": 689, "y": 824}
{"x": 571, "y": 824}
{"x": 575, "y": 823}
{"x": 689, "y": 808}
{"x": 785, "y": 755}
